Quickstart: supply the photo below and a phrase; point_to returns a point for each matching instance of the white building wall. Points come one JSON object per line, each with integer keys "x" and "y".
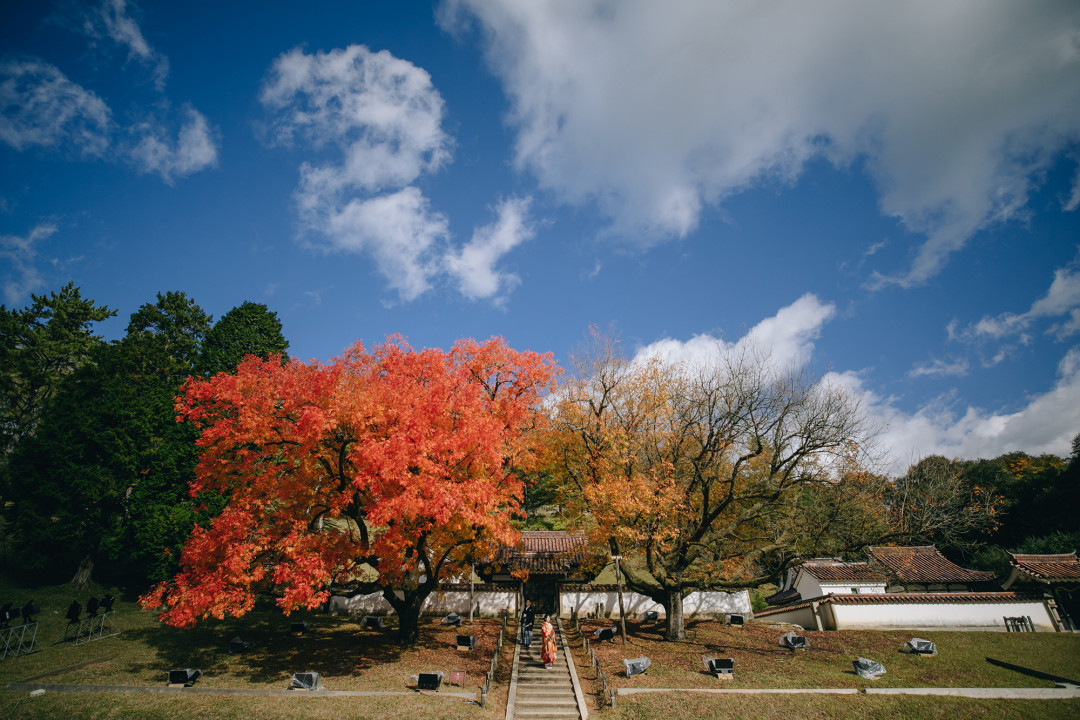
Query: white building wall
{"x": 696, "y": 604}
{"x": 968, "y": 616}
{"x": 487, "y": 603}
{"x": 846, "y": 588}
{"x": 808, "y": 586}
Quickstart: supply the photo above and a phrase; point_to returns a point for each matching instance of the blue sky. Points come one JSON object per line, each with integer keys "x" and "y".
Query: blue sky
{"x": 886, "y": 192}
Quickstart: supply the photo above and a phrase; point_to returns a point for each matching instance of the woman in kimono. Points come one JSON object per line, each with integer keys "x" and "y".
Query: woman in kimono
{"x": 548, "y": 652}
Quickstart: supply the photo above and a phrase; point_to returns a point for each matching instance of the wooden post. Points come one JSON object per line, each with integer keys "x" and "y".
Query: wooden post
{"x": 622, "y": 614}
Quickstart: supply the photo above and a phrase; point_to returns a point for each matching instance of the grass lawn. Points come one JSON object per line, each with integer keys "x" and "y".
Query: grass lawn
{"x": 761, "y": 663}
{"x": 352, "y": 658}
{"x": 347, "y": 656}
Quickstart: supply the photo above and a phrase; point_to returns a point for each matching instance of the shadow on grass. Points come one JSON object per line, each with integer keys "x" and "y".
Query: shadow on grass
{"x": 339, "y": 645}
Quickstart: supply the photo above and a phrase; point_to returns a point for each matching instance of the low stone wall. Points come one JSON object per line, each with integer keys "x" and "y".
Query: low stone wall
{"x": 489, "y": 601}
{"x": 588, "y": 600}
{"x": 973, "y": 616}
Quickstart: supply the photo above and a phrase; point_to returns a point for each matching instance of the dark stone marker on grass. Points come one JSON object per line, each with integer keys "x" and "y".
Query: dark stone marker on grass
{"x": 429, "y": 680}
{"x": 718, "y": 666}
{"x": 793, "y": 641}
{"x": 184, "y": 677}
{"x": 604, "y": 634}
{"x": 306, "y": 681}
{"x": 238, "y": 646}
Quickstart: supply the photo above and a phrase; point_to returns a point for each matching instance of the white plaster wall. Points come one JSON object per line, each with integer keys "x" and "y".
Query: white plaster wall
{"x": 373, "y": 604}
{"x": 487, "y": 603}
{"x": 845, "y": 588}
{"x": 808, "y": 586}
{"x": 703, "y": 604}
{"x": 973, "y": 616}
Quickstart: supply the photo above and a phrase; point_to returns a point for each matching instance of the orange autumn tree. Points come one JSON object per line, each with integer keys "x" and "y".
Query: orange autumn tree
{"x": 697, "y": 476}
{"x": 407, "y": 462}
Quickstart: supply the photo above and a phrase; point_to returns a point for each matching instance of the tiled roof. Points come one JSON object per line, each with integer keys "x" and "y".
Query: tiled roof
{"x": 1048, "y": 567}
{"x": 946, "y": 598}
{"x": 925, "y": 564}
{"x": 551, "y": 541}
{"x": 784, "y": 596}
{"x": 839, "y": 571}
{"x": 546, "y": 552}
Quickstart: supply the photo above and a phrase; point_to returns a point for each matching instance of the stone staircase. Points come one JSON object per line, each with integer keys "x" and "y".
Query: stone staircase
{"x": 540, "y": 694}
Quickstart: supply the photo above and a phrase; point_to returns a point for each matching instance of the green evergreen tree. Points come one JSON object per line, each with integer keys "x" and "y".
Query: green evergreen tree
{"x": 248, "y": 329}
{"x": 107, "y": 477}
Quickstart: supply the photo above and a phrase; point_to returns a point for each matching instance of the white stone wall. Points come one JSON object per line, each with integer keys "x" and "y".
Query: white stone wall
{"x": 846, "y": 588}
{"x": 966, "y": 616}
{"x": 697, "y": 604}
{"x": 811, "y": 587}
{"x": 487, "y": 603}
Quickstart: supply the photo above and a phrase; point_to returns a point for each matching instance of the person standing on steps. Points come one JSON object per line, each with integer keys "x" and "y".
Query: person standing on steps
{"x": 528, "y": 616}
{"x": 548, "y": 653}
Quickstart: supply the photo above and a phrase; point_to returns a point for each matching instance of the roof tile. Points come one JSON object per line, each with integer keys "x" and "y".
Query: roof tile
{"x": 925, "y": 564}
{"x": 839, "y": 571}
{"x": 1048, "y": 567}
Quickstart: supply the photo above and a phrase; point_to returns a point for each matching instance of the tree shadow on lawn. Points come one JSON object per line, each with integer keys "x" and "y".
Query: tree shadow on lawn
{"x": 333, "y": 646}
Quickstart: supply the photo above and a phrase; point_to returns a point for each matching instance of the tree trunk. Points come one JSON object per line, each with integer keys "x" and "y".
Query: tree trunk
{"x": 408, "y": 611}
{"x": 409, "y": 621}
{"x": 676, "y": 627}
{"x": 81, "y": 581}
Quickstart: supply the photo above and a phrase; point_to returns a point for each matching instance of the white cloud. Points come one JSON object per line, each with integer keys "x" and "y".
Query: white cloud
{"x": 787, "y": 338}
{"x": 21, "y": 253}
{"x": 384, "y": 117}
{"x": 40, "y": 106}
{"x": 1062, "y": 298}
{"x": 380, "y": 119}
{"x": 193, "y": 150}
{"x": 1045, "y": 425}
{"x": 382, "y": 112}
{"x": 474, "y": 265}
{"x": 1074, "y": 197}
{"x": 399, "y": 230}
{"x": 658, "y": 110}
{"x": 940, "y": 368}
{"x": 111, "y": 21}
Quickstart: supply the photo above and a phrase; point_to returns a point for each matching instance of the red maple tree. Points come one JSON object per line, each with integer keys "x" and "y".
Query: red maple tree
{"x": 398, "y": 462}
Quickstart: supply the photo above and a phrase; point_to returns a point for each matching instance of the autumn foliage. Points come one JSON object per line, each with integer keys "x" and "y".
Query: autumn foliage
{"x": 699, "y": 475}
{"x": 406, "y": 462}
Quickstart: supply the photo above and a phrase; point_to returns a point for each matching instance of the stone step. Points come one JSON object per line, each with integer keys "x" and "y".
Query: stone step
{"x": 547, "y": 702}
{"x": 544, "y": 694}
